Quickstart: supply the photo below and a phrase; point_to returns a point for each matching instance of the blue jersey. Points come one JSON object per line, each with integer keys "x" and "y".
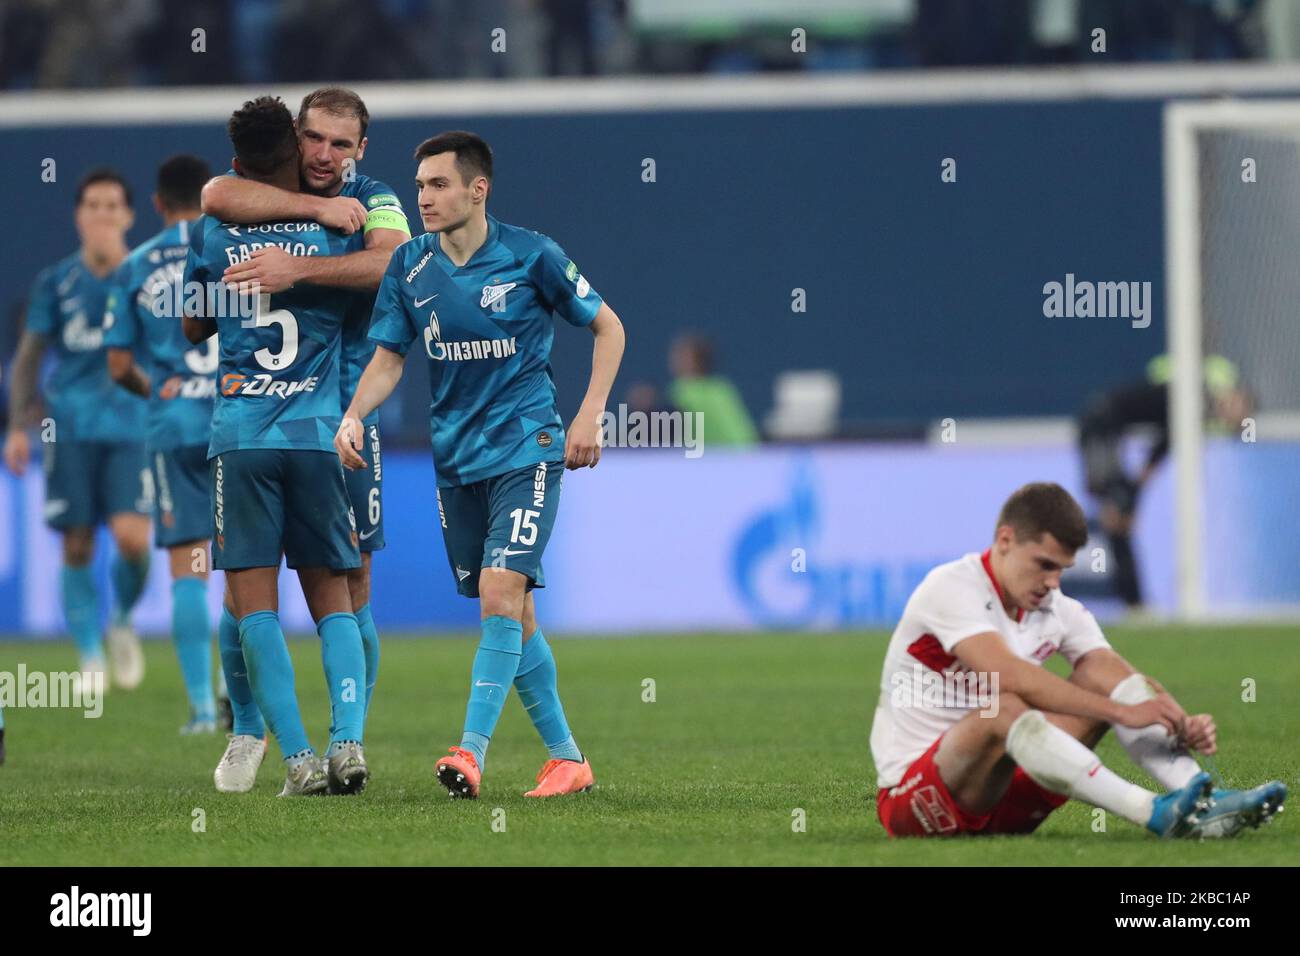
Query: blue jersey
{"x": 67, "y": 307}
{"x": 278, "y": 374}
{"x": 383, "y": 211}
{"x": 486, "y": 330}
{"x": 142, "y": 314}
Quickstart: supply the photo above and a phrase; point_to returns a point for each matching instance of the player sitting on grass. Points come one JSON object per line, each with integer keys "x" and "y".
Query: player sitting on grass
{"x": 478, "y": 296}
{"x": 1001, "y": 758}
{"x": 276, "y": 487}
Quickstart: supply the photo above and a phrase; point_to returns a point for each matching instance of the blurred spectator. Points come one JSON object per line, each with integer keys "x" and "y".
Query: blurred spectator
{"x": 104, "y": 43}
{"x": 1102, "y": 429}
{"x": 644, "y": 397}
{"x": 696, "y": 388}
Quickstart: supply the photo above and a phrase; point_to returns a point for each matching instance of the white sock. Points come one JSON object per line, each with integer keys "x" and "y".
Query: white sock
{"x": 1058, "y": 762}
{"x": 1151, "y": 748}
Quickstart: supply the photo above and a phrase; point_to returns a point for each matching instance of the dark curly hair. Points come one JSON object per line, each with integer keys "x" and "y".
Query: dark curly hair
{"x": 263, "y": 136}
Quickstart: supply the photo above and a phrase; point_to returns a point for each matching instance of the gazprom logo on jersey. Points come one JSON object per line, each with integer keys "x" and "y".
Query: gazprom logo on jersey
{"x": 237, "y": 383}
{"x": 441, "y": 351}
{"x": 80, "y": 336}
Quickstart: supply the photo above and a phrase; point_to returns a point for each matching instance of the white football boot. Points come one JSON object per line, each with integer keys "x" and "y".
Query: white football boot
{"x": 127, "y": 656}
{"x": 237, "y": 771}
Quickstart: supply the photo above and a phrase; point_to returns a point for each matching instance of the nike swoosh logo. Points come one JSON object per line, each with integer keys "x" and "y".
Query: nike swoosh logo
{"x": 368, "y": 534}
{"x": 485, "y": 683}
{"x": 1094, "y": 770}
{"x": 420, "y": 302}
{"x": 507, "y": 552}
{"x": 538, "y": 704}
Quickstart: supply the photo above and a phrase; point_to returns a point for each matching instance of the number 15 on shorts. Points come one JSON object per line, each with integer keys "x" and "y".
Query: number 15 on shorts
{"x": 524, "y": 530}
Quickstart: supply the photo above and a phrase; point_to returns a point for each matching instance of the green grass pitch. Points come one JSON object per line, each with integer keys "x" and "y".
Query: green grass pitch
{"x": 743, "y": 731}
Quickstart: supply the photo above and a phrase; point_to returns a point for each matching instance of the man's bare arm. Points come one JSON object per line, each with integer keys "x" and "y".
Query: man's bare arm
{"x": 24, "y": 406}
{"x": 273, "y": 270}
{"x": 357, "y": 270}
{"x": 377, "y": 383}
{"x": 582, "y": 445}
{"x": 988, "y": 654}
{"x": 124, "y": 371}
{"x": 235, "y": 199}
{"x": 1106, "y": 666}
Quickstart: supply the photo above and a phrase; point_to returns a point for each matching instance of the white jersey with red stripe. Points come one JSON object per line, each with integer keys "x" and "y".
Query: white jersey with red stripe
{"x": 925, "y": 690}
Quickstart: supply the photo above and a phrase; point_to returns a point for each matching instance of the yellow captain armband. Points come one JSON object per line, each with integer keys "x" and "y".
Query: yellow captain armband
{"x": 387, "y": 217}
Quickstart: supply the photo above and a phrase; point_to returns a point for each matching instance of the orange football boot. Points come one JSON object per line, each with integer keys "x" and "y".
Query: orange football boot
{"x": 558, "y": 777}
{"x": 459, "y": 773}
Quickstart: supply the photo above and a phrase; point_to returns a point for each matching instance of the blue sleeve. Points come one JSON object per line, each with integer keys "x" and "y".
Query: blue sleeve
{"x": 121, "y": 323}
{"x": 42, "y": 308}
{"x": 390, "y": 324}
{"x": 196, "y": 271}
{"x": 562, "y": 287}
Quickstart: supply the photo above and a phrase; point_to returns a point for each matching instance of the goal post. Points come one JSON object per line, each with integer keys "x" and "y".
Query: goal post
{"x": 1228, "y": 281}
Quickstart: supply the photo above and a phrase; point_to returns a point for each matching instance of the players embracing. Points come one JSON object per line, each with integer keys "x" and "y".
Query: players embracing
{"x": 477, "y": 295}
{"x": 331, "y": 127}
{"x": 276, "y": 488}
{"x": 997, "y": 754}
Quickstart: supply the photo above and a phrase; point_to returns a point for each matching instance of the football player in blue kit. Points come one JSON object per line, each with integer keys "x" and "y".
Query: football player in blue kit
{"x": 478, "y": 296}
{"x": 93, "y": 433}
{"x": 331, "y": 127}
{"x": 274, "y": 486}
{"x": 179, "y": 382}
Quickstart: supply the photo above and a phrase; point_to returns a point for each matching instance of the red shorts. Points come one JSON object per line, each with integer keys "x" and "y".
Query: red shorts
{"x": 922, "y": 806}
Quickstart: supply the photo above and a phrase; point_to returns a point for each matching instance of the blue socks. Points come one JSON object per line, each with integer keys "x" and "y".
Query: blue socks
{"x": 345, "y": 675}
{"x": 191, "y": 635}
{"x": 369, "y": 644}
{"x": 539, "y": 693}
{"x": 495, "y": 665}
{"x": 270, "y": 674}
{"x": 81, "y": 610}
{"x": 248, "y": 719}
{"x": 129, "y": 577}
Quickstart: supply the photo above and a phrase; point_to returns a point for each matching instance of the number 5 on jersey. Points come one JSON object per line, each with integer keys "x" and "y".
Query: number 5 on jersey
{"x": 265, "y": 317}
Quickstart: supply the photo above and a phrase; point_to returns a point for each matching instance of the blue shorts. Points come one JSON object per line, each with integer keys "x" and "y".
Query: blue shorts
{"x": 88, "y": 481}
{"x": 268, "y": 501}
{"x": 180, "y": 480}
{"x": 365, "y": 491}
{"x": 500, "y": 522}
